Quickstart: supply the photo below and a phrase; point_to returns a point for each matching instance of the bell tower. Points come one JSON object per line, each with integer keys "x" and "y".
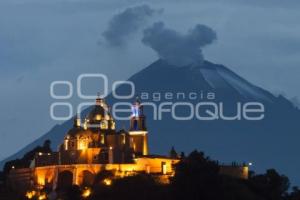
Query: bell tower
{"x": 138, "y": 132}
{"x": 137, "y": 119}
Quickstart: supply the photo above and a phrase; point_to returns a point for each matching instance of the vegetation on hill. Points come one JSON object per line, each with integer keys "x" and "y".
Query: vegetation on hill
{"x": 196, "y": 177}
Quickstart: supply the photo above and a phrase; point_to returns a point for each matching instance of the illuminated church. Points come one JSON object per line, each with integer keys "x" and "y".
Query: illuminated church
{"x": 93, "y": 145}
{"x": 97, "y": 141}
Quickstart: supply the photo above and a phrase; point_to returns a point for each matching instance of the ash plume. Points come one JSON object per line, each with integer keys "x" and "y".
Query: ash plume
{"x": 124, "y": 24}
{"x": 176, "y": 48}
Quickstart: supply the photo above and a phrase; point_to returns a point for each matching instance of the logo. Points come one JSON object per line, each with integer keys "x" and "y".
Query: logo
{"x": 196, "y": 105}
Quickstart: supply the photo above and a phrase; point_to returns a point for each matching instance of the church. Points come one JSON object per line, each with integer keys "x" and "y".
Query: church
{"x": 93, "y": 145}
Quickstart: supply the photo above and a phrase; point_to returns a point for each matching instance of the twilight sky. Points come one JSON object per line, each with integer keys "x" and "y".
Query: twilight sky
{"x": 44, "y": 41}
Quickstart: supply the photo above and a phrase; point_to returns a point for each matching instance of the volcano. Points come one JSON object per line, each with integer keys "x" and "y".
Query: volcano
{"x": 272, "y": 142}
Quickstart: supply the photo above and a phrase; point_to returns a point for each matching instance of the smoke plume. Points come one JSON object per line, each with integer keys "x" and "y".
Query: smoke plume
{"x": 176, "y": 48}
{"x": 124, "y": 24}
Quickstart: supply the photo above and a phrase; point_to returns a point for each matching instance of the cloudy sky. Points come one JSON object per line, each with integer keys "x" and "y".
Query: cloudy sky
{"x": 44, "y": 41}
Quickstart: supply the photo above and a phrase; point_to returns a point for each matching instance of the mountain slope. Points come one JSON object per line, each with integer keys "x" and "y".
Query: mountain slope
{"x": 271, "y": 142}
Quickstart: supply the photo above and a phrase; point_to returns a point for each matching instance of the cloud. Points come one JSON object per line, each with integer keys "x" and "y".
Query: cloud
{"x": 124, "y": 24}
{"x": 176, "y": 48}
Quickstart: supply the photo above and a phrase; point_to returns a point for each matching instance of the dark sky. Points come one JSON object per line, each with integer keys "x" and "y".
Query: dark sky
{"x": 44, "y": 41}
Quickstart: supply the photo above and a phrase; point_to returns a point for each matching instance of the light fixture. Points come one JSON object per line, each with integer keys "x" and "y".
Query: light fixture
{"x": 86, "y": 192}
{"x": 107, "y": 181}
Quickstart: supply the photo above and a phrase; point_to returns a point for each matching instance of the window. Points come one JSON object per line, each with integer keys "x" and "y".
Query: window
{"x": 104, "y": 125}
{"x": 66, "y": 144}
{"x": 164, "y": 168}
{"x": 102, "y": 138}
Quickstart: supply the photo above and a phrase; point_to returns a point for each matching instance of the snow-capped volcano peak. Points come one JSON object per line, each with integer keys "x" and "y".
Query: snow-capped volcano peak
{"x": 204, "y": 76}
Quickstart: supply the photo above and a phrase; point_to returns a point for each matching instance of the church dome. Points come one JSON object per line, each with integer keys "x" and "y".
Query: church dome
{"x": 75, "y": 131}
{"x": 99, "y": 113}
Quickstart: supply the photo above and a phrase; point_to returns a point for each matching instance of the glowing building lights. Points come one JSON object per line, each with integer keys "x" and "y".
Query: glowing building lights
{"x": 107, "y": 181}
{"x": 86, "y": 192}
{"x": 42, "y": 197}
{"x": 30, "y": 194}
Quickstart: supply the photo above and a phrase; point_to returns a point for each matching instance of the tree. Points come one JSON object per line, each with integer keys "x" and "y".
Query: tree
{"x": 270, "y": 185}
{"x": 196, "y": 177}
{"x": 173, "y": 153}
{"x": 47, "y": 146}
{"x": 140, "y": 186}
{"x": 295, "y": 194}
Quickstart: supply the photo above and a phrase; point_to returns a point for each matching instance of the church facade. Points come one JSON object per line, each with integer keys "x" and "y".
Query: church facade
{"x": 93, "y": 145}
